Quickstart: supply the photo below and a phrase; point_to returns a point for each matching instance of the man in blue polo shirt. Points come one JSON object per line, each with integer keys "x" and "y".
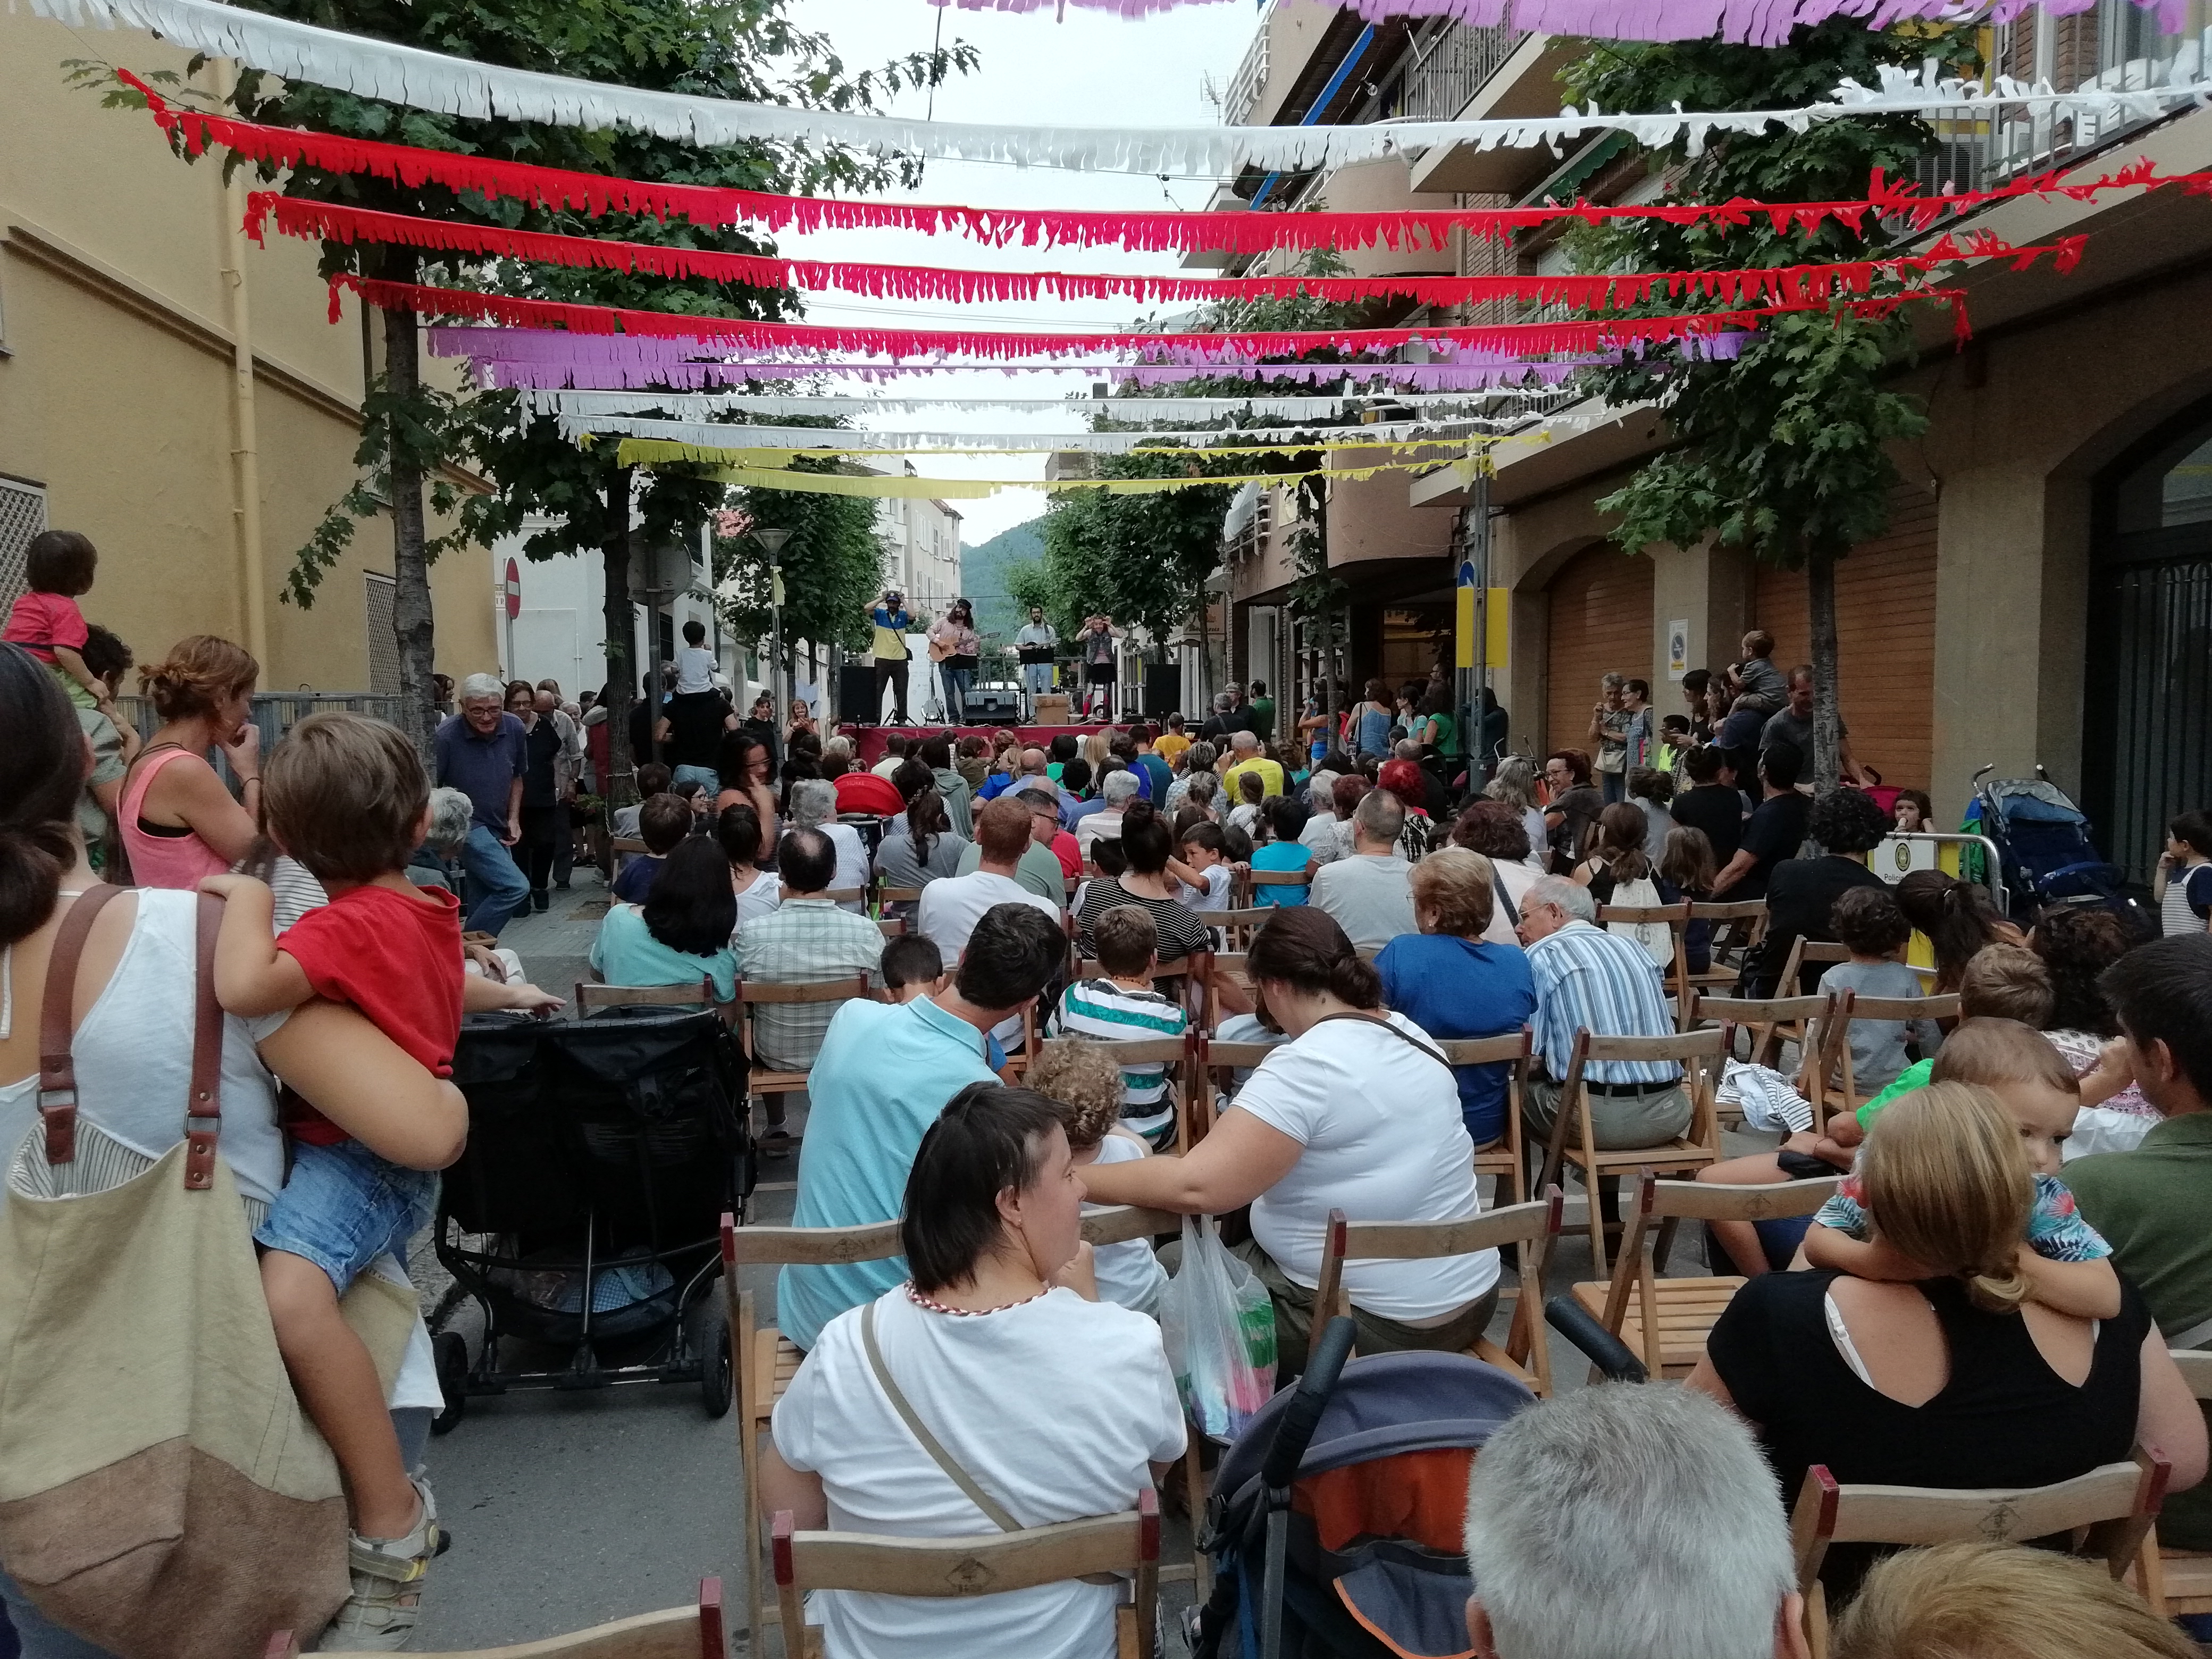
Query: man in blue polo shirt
{"x": 482, "y": 752}
{"x": 885, "y": 1072}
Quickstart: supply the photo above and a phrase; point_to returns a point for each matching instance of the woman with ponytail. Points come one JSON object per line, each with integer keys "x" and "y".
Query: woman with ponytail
{"x": 178, "y": 821}
{"x": 132, "y": 1042}
{"x": 1943, "y": 1373}
{"x": 1959, "y": 917}
{"x": 1357, "y": 1111}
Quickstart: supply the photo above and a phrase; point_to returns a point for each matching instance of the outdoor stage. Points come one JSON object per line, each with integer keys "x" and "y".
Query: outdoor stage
{"x": 870, "y": 741}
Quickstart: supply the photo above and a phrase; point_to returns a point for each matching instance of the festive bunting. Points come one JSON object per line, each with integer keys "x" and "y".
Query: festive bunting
{"x": 703, "y": 406}
{"x": 1544, "y": 336}
{"x": 1380, "y": 379}
{"x": 647, "y": 452}
{"x": 1157, "y": 231}
{"x": 1751, "y": 22}
{"x": 423, "y": 80}
{"x": 1378, "y": 437}
{"x": 1791, "y": 285}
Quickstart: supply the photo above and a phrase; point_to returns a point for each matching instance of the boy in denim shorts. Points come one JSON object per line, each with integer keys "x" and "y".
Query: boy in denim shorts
{"x": 347, "y": 797}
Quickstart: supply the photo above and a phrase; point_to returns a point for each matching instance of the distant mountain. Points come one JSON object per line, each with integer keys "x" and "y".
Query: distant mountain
{"x": 982, "y": 577}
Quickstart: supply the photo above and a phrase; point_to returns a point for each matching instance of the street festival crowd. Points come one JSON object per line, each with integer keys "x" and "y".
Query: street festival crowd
{"x": 1989, "y": 1300}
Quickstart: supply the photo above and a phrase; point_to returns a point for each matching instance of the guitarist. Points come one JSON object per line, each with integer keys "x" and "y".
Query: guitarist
{"x": 893, "y": 621}
{"x": 955, "y": 649}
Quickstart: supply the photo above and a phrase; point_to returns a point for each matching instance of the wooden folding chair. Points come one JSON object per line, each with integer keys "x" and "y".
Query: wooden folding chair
{"x": 1803, "y": 950}
{"x": 764, "y": 1361}
{"x": 887, "y": 896}
{"x": 1117, "y": 1223}
{"x": 754, "y": 994}
{"x": 893, "y": 926}
{"x": 2178, "y": 1583}
{"x": 859, "y": 896}
{"x": 1217, "y": 1061}
{"x": 1256, "y": 879}
{"x": 1531, "y": 1227}
{"x": 1697, "y": 1053}
{"x": 1665, "y": 1320}
{"x": 1751, "y": 914}
{"x": 1675, "y": 919}
{"x": 1175, "y": 1053}
{"x": 1237, "y": 925}
{"x": 694, "y": 1633}
{"x": 1506, "y": 1159}
{"x": 590, "y": 996}
{"x": 1128, "y": 1543}
{"x": 1772, "y": 1021}
{"x": 1229, "y": 967}
{"x": 2110, "y": 1510}
{"x": 1828, "y": 1081}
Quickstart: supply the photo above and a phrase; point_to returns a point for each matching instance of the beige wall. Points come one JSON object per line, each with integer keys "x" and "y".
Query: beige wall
{"x": 116, "y": 383}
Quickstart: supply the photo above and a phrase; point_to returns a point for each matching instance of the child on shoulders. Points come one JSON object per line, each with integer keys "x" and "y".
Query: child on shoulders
{"x": 44, "y": 620}
{"x": 347, "y": 797}
{"x": 694, "y": 664}
{"x": 1762, "y": 687}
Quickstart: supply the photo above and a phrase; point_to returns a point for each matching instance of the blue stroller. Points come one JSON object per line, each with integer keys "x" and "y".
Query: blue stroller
{"x": 1337, "y": 1515}
{"x": 2045, "y": 853}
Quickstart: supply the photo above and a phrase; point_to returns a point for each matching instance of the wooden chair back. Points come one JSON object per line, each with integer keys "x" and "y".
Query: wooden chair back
{"x": 1506, "y": 1158}
{"x": 1237, "y": 925}
{"x": 1771, "y": 1020}
{"x": 985, "y": 1565}
{"x": 1802, "y": 950}
{"x": 2110, "y": 1510}
{"x": 1648, "y": 1229}
{"x": 693, "y": 1632}
{"x": 887, "y": 896}
{"x": 1675, "y": 918}
{"x": 2178, "y": 1582}
{"x": 1828, "y": 1081}
{"x": 590, "y": 996}
{"x": 893, "y": 926}
{"x": 847, "y": 895}
{"x": 1699, "y": 1054}
{"x": 1117, "y": 1223}
{"x": 756, "y": 994}
{"x": 1531, "y": 1228}
{"x": 628, "y": 846}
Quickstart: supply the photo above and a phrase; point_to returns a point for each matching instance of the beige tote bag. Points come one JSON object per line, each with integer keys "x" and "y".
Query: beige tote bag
{"x": 160, "y": 1492}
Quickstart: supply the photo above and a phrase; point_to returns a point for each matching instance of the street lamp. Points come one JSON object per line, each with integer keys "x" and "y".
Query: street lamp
{"x": 774, "y": 541}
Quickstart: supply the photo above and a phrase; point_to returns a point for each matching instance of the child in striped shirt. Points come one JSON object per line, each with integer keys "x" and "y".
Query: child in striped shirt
{"x": 1121, "y": 1005}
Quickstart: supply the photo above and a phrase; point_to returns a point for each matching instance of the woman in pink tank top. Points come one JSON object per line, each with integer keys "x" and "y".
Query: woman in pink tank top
{"x": 178, "y": 822}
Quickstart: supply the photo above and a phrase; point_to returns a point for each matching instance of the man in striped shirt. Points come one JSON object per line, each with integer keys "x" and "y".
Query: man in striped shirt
{"x": 1606, "y": 983}
{"x": 1121, "y": 1005}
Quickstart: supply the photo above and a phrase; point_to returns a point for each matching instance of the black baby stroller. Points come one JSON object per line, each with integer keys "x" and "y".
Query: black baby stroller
{"x": 584, "y": 1214}
{"x": 2045, "y": 854}
{"x": 1337, "y": 1515}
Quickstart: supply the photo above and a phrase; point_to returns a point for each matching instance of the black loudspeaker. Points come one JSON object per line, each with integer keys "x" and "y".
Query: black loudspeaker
{"x": 993, "y": 705}
{"x": 1163, "y": 689}
{"x": 857, "y": 702}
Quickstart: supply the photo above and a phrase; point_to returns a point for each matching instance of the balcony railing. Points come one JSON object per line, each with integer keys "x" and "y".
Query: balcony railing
{"x": 1441, "y": 68}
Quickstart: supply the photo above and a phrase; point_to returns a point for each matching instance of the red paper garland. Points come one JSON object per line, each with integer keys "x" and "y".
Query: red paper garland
{"x": 1514, "y": 338}
{"x": 1156, "y": 231}
{"x": 1781, "y": 284}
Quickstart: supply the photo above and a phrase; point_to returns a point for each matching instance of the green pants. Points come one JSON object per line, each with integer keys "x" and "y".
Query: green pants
{"x": 1294, "y": 1307}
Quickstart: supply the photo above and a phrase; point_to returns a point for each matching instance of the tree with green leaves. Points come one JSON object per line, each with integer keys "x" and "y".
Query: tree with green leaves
{"x": 1782, "y": 451}
{"x": 832, "y": 565}
{"x": 414, "y": 435}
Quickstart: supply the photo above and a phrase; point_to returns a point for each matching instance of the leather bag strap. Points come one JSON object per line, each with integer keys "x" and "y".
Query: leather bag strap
{"x": 982, "y": 1500}
{"x": 56, "y": 1064}
{"x": 204, "y": 1109}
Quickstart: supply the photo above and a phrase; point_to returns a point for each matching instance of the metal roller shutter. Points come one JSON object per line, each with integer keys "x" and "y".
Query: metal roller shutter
{"x": 1885, "y": 638}
{"x": 1600, "y": 624}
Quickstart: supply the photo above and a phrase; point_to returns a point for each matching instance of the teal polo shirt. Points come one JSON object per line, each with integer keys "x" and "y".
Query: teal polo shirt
{"x": 2150, "y": 1204}
{"x": 885, "y": 1072}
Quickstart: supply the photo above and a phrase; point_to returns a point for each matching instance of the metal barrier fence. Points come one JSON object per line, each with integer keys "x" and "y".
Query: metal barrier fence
{"x": 275, "y": 713}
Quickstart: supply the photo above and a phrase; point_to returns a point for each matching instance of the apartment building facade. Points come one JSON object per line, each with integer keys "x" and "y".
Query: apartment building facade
{"x": 2044, "y": 592}
{"x": 177, "y": 392}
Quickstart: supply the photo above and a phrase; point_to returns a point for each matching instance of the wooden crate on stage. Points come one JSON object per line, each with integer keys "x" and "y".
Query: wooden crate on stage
{"x": 1052, "y": 709}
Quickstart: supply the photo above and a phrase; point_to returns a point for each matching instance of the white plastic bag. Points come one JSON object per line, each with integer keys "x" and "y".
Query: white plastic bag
{"x": 1218, "y": 1326}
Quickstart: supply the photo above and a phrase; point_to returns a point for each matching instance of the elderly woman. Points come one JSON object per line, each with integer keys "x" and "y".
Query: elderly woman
{"x": 1357, "y": 1111}
{"x": 1942, "y": 1373}
{"x": 814, "y": 806}
{"x": 1494, "y": 830}
{"x": 178, "y": 820}
{"x": 680, "y": 934}
{"x": 1515, "y": 784}
{"x": 133, "y": 1043}
{"x": 1406, "y": 780}
{"x": 1000, "y": 1289}
{"x": 1453, "y": 982}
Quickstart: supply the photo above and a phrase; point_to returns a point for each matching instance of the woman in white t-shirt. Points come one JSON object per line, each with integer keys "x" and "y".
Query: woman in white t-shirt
{"x": 1357, "y": 1111}
{"x": 1055, "y": 1405}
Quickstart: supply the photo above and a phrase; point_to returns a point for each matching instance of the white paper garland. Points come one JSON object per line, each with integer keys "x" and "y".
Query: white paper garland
{"x": 455, "y": 86}
{"x": 722, "y": 436}
{"x": 702, "y": 405}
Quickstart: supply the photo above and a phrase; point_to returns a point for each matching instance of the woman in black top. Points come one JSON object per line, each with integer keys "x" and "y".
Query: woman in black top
{"x": 1945, "y": 1375}
{"x": 1802, "y": 892}
{"x": 1572, "y": 806}
{"x": 1146, "y": 844}
{"x": 1710, "y": 805}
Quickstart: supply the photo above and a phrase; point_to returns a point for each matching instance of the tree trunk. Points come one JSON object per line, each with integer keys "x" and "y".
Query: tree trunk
{"x": 1827, "y": 722}
{"x": 620, "y": 626}
{"x": 411, "y": 623}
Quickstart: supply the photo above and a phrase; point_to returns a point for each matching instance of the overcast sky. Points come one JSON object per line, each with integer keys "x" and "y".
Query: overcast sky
{"x": 1094, "y": 69}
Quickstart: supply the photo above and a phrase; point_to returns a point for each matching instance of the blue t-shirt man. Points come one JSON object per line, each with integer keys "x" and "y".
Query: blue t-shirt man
{"x": 1455, "y": 988}
{"x": 482, "y": 765}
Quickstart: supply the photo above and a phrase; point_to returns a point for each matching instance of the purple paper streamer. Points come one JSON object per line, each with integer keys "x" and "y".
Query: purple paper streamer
{"x": 1752, "y": 23}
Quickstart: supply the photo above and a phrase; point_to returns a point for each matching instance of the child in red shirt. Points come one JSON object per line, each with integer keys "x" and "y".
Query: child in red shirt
{"x": 347, "y": 797}
{"x": 57, "y": 566}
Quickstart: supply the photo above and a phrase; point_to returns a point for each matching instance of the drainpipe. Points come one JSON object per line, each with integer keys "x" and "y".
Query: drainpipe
{"x": 245, "y": 461}
{"x": 1313, "y": 115}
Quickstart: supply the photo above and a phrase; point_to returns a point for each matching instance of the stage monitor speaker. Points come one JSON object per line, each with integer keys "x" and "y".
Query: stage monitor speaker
{"x": 1163, "y": 689}
{"x": 857, "y": 701}
{"x": 993, "y": 705}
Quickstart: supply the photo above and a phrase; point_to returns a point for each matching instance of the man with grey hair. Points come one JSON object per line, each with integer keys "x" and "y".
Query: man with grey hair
{"x": 1626, "y": 1521}
{"x": 1117, "y": 792}
{"x": 483, "y": 751}
{"x": 1225, "y": 719}
{"x": 814, "y": 806}
{"x": 1370, "y": 894}
{"x": 1587, "y": 979}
